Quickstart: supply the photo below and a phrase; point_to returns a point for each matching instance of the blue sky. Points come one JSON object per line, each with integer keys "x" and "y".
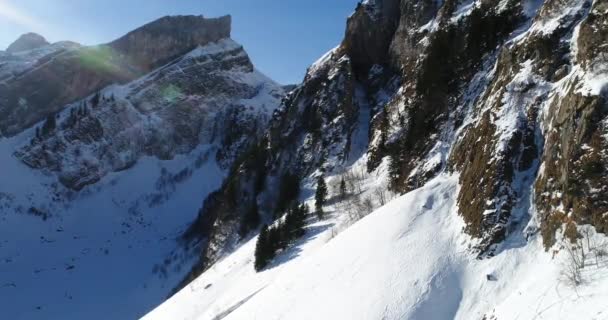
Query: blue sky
{"x": 283, "y": 37}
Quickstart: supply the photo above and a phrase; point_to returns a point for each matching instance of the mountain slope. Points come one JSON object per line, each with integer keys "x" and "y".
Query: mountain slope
{"x": 506, "y": 97}
{"x": 94, "y": 198}
{"x": 406, "y": 260}
{"x": 197, "y": 99}
{"x": 70, "y": 75}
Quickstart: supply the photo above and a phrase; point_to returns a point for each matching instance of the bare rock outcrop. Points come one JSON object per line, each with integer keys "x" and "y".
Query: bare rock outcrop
{"x": 26, "y": 42}
{"x": 64, "y": 76}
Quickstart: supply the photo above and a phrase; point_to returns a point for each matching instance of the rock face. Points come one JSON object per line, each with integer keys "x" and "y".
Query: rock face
{"x": 64, "y": 76}
{"x": 509, "y": 95}
{"x": 212, "y": 95}
{"x": 170, "y": 37}
{"x": 28, "y": 41}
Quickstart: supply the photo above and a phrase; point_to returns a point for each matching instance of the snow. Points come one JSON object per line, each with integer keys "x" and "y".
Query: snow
{"x": 321, "y": 62}
{"x": 392, "y": 264}
{"x": 212, "y": 48}
{"x": 13, "y": 64}
{"x": 464, "y": 9}
{"x": 555, "y": 18}
{"x": 410, "y": 259}
{"x": 94, "y": 255}
{"x": 110, "y": 251}
{"x": 594, "y": 82}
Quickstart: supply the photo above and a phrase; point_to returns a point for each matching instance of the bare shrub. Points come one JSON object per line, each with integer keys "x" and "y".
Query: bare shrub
{"x": 381, "y": 195}
{"x": 573, "y": 264}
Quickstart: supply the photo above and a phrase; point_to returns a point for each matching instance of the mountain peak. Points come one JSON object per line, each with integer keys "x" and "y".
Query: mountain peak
{"x": 26, "y": 42}
{"x": 166, "y": 38}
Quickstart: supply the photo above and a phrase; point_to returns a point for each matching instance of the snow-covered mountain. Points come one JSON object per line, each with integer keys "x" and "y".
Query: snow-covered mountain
{"x": 488, "y": 116}
{"x": 34, "y": 86}
{"x": 94, "y": 198}
{"x": 462, "y": 142}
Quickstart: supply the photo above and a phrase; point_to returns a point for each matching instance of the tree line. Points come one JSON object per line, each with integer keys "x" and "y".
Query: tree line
{"x": 280, "y": 236}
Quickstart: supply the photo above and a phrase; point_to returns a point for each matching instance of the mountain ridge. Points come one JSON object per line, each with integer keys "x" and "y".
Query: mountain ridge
{"x": 508, "y": 96}
{"x": 105, "y": 184}
{"x": 78, "y": 72}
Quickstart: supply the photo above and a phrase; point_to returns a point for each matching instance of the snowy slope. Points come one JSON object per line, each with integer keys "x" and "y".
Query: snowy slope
{"x": 95, "y": 254}
{"x": 497, "y": 139}
{"x": 14, "y": 64}
{"x": 407, "y": 260}
{"x": 110, "y": 250}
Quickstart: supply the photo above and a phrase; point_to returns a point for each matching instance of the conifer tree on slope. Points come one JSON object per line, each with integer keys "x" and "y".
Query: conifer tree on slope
{"x": 320, "y": 196}
{"x": 262, "y": 250}
{"x": 342, "y": 189}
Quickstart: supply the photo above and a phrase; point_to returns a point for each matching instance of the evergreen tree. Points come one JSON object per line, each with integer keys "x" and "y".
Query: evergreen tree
{"x": 95, "y": 99}
{"x": 394, "y": 173}
{"x": 320, "y": 196}
{"x": 274, "y": 240}
{"x": 290, "y": 189}
{"x": 262, "y": 252}
{"x": 49, "y": 125}
{"x": 300, "y": 220}
{"x": 280, "y": 236}
{"x": 295, "y": 221}
{"x": 342, "y": 189}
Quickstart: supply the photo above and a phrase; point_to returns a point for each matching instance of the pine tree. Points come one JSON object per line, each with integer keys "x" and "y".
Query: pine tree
{"x": 320, "y": 196}
{"x": 342, "y": 189}
{"x": 290, "y": 189}
{"x": 295, "y": 221}
{"x": 274, "y": 240}
{"x": 394, "y": 172}
{"x": 262, "y": 253}
{"x": 300, "y": 220}
{"x": 49, "y": 125}
{"x": 280, "y": 236}
{"x": 95, "y": 99}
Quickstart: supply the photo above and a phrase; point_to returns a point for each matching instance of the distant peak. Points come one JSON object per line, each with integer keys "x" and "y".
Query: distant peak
{"x": 169, "y": 37}
{"x": 26, "y": 42}
{"x": 187, "y": 25}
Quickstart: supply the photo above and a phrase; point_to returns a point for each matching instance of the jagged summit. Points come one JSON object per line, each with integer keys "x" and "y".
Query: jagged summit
{"x": 164, "y": 39}
{"x": 26, "y": 42}
{"x": 68, "y": 75}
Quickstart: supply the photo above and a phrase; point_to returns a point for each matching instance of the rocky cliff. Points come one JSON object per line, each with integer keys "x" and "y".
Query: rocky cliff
{"x": 212, "y": 95}
{"x": 113, "y": 148}
{"x": 509, "y": 95}
{"x": 42, "y": 86}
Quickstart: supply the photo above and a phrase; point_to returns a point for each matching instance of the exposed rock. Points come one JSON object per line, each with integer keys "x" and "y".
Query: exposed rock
{"x": 212, "y": 95}
{"x": 64, "y": 76}
{"x": 26, "y": 42}
{"x": 492, "y": 90}
{"x": 167, "y": 38}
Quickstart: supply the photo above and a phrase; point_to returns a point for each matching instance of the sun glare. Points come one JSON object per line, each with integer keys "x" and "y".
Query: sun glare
{"x": 10, "y": 13}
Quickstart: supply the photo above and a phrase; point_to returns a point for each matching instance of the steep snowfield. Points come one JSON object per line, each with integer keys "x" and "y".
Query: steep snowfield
{"x": 406, "y": 260}
{"x": 94, "y": 256}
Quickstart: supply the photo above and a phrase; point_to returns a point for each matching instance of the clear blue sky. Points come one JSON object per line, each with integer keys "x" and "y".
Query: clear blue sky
{"x": 283, "y": 37}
